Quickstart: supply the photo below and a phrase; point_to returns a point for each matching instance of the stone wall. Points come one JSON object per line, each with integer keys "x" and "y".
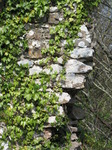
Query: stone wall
{"x": 78, "y": 65}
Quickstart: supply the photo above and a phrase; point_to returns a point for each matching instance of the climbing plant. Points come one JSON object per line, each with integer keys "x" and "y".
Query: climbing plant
{"x": 24, "y": 105}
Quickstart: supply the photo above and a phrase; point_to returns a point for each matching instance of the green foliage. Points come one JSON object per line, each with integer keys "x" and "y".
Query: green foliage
{"x": 24, "y": 105}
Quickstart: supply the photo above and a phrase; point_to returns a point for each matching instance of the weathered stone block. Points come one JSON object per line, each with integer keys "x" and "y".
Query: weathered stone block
{"x": 82, "y": 53}
{"x": 35, "y": 69}
{"x": 75, "y": 66}
{"x": 73, "y": 81}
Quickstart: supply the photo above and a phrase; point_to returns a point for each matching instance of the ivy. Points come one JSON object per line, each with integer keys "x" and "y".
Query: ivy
{"x": 24, "y": 105}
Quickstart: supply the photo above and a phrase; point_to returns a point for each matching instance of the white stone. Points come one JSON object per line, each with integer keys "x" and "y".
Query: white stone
{"x": 37, "y": 81}
{"x": 60, "y": 19}
{"x": 30, "y": 46}
{"x": 73, "y": 81}
{"x": 75, "y": 145}
{"x": 52, "y": 119}
{"x": 88, "y": 39}
{"x": 47, "y": 71}
{"x": 82, "y": 53}
{"x": 35, "y": 69}
{"x": 82, "y": 44}
{"x": 36, "y": 43}
{"x": 30, "y": 33}
{"x": 74, "y": 137}
{"x": 53, "y": 9}
{"x": 33, "y": 111}
{"x": 80, "y": 34}
{"x": 5, "y": 146}
{"x": 61, "y": 111}
{"x": 63, "y": 98}
{"x": 75, "y": 66}
{"x": 63, "y": 42}
{"x": 25, "y": 61}
{"x": 1, "y": 132}
{"x": 55, "y": 68}
{"x": 84, "y": 28}
{"x": 45, "y": 26}
{"x": 60, "y": 60}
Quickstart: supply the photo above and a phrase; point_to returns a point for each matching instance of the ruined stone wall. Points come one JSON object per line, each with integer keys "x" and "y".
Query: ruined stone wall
{"x": 78, "y": 65}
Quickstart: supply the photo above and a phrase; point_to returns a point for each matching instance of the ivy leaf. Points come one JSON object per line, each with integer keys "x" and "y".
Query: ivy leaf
{"x": 26, "y": 19}
{"x": 28, "y": 97}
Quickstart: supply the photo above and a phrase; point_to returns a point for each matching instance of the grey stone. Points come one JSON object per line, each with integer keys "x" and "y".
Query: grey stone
{"x": 82, "y": 53}
{"x": 75, "y": 66}
{"x": 25, "y": 61}
{"x": 35, "y": 69}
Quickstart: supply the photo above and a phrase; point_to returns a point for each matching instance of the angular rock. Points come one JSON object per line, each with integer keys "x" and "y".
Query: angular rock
{"x": 60, "y": 60}
{"x": 75, "y": 66}
{"x": 52, "y": 119}
{"x": 63, "y": 98}
{"x": 82, "y": 53}
{"x": 47, "y": 134}
{"x": 74, "y": 137}
{"x": 53, "y": 9}
{"x": 35, "y": 69}
{"x": 84, "y": 29}
{"x": 73, "y": 129}
{"x": 89, "y": 40}
{"x": 25, "y": 61}
{"x": 61, "y": 110}
{"x": 75, "y": 145}
{"x": 73, "y": 81}
{"x": 55, "y": 68}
